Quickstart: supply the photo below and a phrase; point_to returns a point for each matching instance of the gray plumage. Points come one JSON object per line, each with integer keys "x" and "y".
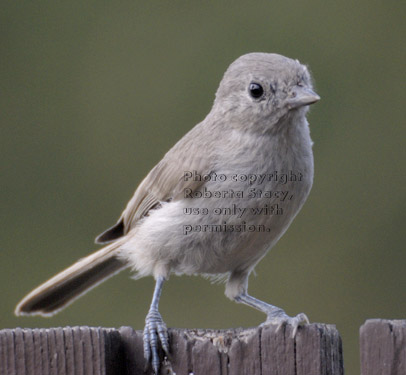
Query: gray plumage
{"x": 244, "y": 134}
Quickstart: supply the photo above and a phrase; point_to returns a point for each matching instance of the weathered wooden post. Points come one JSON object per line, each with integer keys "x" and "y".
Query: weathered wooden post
{"x": 316, "y": 350}
{"x": 383, "y": 347}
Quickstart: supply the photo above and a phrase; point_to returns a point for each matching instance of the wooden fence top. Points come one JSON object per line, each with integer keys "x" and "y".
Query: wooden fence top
{"x": 315, "y": 350}
{"x": 383, "y": 347}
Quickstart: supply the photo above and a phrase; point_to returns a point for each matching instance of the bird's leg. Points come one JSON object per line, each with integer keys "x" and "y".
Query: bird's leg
{"x": 155, "y": 329}
{"x": 275, "y": 315}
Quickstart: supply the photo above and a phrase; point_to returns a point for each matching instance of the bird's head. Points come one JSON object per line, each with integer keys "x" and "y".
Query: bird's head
{"x": 262, "y": 88}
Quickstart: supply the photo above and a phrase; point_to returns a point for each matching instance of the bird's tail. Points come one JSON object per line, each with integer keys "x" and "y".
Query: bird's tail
{"x": 62, "y": 289}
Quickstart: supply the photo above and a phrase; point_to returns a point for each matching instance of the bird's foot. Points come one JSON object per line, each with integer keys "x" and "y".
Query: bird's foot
{"x": 281, "y": 319}
{"x": 155, "y": 331}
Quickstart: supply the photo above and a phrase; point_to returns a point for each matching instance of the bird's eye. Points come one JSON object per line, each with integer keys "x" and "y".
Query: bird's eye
{"x": 256, "y": 90}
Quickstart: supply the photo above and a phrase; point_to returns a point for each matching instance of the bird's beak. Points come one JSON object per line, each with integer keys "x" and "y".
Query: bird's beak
{"x": 301, "y": 96}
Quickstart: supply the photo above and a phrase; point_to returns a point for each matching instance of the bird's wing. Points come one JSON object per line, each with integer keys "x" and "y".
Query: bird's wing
{"x": 165, "y": 182}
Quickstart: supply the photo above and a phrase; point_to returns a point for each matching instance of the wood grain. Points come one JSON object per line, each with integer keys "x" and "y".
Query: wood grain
{"x": 316, "y": 350}
{"x": 383, "y": 347}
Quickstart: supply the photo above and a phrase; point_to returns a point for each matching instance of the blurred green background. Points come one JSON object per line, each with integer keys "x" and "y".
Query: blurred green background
{"x": 93, "y": 93}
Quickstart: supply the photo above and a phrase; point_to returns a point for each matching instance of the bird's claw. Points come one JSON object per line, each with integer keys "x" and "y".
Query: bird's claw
{"x": 155, "y": 331}
{"x": 281, "y": 319}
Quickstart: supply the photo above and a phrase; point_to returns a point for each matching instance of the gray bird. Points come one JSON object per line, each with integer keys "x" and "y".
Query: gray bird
{"x": 217, "y": 201}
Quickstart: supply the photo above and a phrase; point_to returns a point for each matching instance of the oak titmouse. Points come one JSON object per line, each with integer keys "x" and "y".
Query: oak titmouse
{"x": 217, "y": 201}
